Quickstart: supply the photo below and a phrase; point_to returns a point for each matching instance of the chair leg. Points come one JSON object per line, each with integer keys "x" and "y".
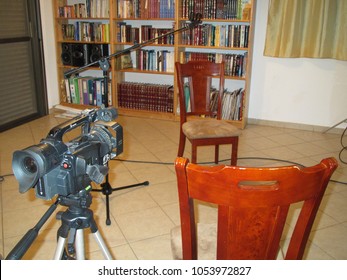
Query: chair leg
{"x": 234, "y": 149}
{"x": 216, "y": 154}
{"x": 194, "y": 153}
{"x": 181, "y": 145}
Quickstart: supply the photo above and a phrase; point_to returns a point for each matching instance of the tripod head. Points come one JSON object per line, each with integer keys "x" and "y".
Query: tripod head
{"x": 81, "y": 200}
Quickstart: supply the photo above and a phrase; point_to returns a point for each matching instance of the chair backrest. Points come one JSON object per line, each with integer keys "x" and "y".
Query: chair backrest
{"x": 253, "y": 205}
{"x": 194, "y": 84}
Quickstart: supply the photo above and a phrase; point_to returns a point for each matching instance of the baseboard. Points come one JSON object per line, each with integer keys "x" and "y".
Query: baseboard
{"x": 307, "y": 127}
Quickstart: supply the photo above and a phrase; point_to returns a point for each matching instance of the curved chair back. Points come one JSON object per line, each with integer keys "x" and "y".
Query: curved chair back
{"x": 253, "y": 205}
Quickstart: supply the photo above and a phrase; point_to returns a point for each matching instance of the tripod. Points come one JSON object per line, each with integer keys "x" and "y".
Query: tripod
{"x": 107, "y": 190}
{"x": 74, "y": 220}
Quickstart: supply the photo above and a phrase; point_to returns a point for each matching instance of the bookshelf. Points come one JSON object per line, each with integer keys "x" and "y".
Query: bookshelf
{"x": 82, "y": 36}
{"x": 143, "y": 82}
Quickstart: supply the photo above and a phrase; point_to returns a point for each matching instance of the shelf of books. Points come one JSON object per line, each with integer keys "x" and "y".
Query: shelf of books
{"x": 225, "y": 35}
{"x": 142, "y": 80}
{"x": 82, "y": 32}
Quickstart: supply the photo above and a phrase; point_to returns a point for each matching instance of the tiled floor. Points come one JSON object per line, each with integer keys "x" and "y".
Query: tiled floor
{"x": 141, "y": 218}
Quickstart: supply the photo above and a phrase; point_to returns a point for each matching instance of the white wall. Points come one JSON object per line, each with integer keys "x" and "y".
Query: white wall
{"x": 303, "y": 91}
{"x": 49, "y": 52}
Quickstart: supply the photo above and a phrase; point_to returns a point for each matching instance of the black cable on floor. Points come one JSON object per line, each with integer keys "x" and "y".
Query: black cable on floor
{"x": 343, "y": 146}
{"x": 209, "y": 162}
{"x": 2, "y": 177}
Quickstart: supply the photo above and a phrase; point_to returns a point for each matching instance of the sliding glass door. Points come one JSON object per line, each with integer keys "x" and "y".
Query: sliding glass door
{"x": 22, "y": 80}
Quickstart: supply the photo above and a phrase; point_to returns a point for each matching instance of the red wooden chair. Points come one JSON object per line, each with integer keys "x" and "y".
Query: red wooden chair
{"x": 253, "y": 204}
{"x": 194, "y": 84}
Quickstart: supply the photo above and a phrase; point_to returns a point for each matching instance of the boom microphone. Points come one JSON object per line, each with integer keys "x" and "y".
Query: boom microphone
{"x": 195, "y": 19}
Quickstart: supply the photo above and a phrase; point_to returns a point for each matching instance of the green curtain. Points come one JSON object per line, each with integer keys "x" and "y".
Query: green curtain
{"x": 307, "y": 28}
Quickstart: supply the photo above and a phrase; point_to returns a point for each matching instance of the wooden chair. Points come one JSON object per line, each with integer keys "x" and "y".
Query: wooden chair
{"x": 194, "y": 84}
{"x": 253, "y": 204}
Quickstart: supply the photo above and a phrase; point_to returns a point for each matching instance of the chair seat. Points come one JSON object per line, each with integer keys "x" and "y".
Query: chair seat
{"x": 209, "y": 128}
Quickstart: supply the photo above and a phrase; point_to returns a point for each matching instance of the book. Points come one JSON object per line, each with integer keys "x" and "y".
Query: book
{"x": 145, "y": 96}
{"x": 187, "y": 97}
{"x": 126, "y": 61}
{"x": 67, "y": 90}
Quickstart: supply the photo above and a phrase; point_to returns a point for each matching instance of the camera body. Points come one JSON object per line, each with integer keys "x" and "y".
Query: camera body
{"x": 55, "y": 167}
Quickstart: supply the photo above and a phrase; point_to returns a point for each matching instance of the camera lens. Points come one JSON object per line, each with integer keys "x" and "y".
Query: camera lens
{"x": 30, "y": 164}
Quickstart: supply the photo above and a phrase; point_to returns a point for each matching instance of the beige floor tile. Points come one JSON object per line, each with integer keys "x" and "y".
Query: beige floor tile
{"x": 144, "y": 224}
{"x": 331, "y": 240}
{"x": 284, "y": 151}
{"x": 163, "y": 193}
{"x": 131, "y": 201}
{"x": 157, "y": 248}
{"x": 123, "y": 252}
{"x": 120, "y": 179}
{"x": 307, "y": 149}
{"x": 140, "y": 161}
{"x": 285, "y": 139}
{"x": 154, "y": 174}
{"x": 335, "y": 205}
{"x": 172, "y": 211}
{"x": 262, "y": 143}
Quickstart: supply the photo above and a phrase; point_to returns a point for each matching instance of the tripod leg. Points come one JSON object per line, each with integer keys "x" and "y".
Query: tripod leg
{"x": 102, "y": 245}
{"x": 325, "y": 131}
{"x": 108, "y": 220}
{"x": 80, "y": 254}
{"x": 60, "y": 248}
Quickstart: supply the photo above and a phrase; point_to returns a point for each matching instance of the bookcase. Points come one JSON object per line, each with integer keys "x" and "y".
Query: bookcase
{"x": 142, "y": 81}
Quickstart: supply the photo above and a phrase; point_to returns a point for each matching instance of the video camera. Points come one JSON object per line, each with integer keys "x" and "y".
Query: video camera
{"x": 54, "y": 167}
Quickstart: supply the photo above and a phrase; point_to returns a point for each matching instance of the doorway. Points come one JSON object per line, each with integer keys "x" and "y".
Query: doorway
{"x": 23, "y": 95}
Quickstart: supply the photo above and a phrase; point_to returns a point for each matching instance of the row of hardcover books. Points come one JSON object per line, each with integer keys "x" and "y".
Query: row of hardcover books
{"x": 163, "y": 61}
{"x": 210, "y": 9}
{"x": 87, "y": 9}
{"x": 217, "y": 9}
{"x": 153, "y": 60}
{"x": 126, "y": 33}
{"x": 87, "y": 31}
{"x": 87, "y": 91}
{"x": 146, "y": 9}
{"x": 144, "y": 96}
{"x": 234, "y": 36}
{"x": 235, "y": 64}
